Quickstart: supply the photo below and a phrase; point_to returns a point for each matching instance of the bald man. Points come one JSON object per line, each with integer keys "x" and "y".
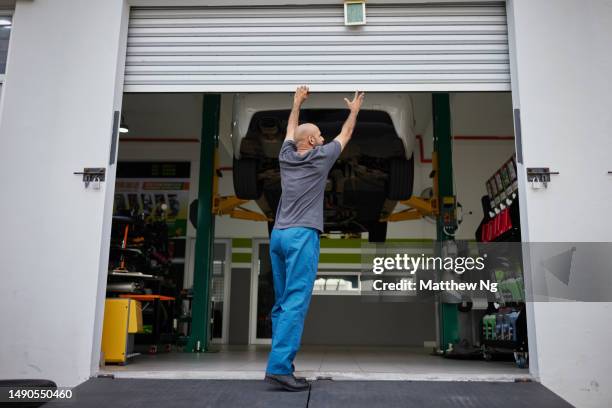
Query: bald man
{"x": 294, "y": 242}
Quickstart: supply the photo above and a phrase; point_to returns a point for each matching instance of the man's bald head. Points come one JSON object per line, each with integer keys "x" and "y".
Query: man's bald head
{"x": 304, "y": 131}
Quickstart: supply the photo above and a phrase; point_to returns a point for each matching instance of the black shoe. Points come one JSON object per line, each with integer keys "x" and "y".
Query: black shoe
{"x": 287, "y": 381}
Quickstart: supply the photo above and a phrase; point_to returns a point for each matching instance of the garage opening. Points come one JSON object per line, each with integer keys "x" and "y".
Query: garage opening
{"x": 207, "y": 89}
{"x": 157, "y": 189}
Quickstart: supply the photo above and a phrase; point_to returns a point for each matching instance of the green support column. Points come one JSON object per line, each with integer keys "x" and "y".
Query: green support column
{"x": 446, "y": 222}
{"x": 205, "y": 235}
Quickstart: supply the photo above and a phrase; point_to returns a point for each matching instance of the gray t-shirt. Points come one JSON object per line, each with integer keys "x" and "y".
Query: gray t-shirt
{"x": 303, "y": 179}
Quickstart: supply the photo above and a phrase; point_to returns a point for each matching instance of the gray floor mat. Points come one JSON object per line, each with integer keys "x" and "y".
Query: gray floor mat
{"x": 432, "y": 394}
{"x": 142, "y": 393}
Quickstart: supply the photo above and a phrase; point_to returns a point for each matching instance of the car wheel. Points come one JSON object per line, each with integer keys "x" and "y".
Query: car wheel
{"x": 401, "y": 178}
{"x": 246, "y": 184}
{"x": 377, "y": 232}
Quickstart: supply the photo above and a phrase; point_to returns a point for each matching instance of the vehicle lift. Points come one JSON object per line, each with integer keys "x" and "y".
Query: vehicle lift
{"x": 442, "y": 205}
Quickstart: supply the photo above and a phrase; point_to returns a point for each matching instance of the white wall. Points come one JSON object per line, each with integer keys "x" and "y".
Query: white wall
{"x": 56, "y": 118}
{"x": 562, "y": 85}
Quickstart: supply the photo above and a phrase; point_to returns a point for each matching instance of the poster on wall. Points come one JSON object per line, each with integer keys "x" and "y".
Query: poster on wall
{"x": 157, "y": 191}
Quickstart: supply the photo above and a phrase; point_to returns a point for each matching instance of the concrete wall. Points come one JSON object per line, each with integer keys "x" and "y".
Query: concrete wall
{"x": 562, "y": 86}
{"x": 55, "y": 119}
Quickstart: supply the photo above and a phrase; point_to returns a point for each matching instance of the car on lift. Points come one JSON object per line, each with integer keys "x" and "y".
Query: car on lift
{"x": 373, "y": 173}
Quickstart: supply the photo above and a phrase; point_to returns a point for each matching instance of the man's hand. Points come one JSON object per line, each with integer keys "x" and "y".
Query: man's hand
{"x": 355, "y": 104}
{"x": 301, "y": 94}
{"x": 347, "y": 129}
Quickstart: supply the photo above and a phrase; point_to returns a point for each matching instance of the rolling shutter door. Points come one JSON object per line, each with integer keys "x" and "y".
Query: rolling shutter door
{"x": 433, "y": 47}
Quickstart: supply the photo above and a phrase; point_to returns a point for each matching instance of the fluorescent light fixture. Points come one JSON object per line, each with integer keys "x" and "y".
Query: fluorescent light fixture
{"x": 5, "y": 23}
{"x": 354, "y": 13}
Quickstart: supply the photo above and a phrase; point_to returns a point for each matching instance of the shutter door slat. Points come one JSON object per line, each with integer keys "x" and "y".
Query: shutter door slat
{"x": 394, "y": 51}
{"x": 412, "y": 59}
{"x": 402, "y": 48}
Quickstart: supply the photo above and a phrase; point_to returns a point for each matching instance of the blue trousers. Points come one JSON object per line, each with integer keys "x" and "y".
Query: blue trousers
{"x": 295, "y": 256}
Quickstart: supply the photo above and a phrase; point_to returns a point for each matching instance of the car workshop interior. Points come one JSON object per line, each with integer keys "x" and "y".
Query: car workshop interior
{"x": 189, "y": 287}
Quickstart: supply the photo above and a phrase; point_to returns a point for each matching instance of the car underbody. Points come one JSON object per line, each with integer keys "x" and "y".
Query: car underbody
{"x": 357, "y": 191}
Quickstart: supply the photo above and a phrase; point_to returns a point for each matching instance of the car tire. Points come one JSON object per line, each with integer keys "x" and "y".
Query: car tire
{"x": 246, "y": 184}
{"x": 377, "y": 232}
{"x": 401, "y": 178}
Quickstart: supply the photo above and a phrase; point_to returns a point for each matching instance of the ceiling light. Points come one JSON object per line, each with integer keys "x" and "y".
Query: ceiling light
{"x": 123, "y": 127}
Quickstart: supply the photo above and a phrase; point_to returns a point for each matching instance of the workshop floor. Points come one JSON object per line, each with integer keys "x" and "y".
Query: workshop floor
{"x": 152, "y": 393}
{"x": 338, "y": 363}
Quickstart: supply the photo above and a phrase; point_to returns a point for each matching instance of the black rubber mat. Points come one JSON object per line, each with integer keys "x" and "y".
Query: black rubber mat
{"x": 432, "y": 394}
{"x": 141, "y": 393}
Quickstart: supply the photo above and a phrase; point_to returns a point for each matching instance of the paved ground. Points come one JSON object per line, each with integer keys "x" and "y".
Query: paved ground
{"x": 151, "y": 393}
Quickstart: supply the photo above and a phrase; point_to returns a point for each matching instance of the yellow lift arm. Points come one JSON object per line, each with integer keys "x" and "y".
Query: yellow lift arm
{"x": 231, "y": 205}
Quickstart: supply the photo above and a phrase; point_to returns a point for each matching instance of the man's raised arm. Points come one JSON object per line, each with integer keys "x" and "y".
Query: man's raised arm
{"x": 301, "y": 94}
{"x": 349, "y": 125}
